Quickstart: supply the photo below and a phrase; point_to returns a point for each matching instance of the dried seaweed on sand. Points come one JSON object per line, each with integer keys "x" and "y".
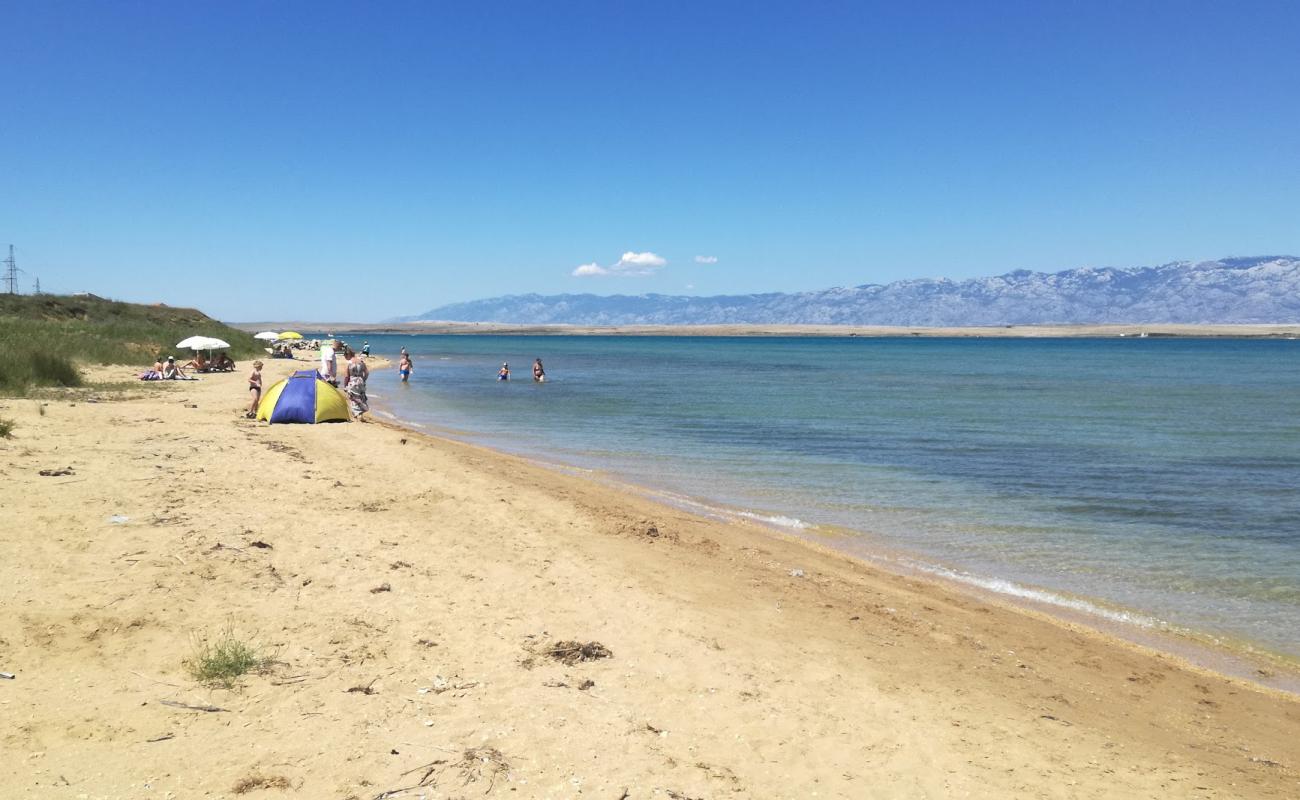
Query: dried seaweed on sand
{"x": 573, "y": 652}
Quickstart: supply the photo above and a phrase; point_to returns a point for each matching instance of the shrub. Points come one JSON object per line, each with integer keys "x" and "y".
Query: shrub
{"x": 223, "y": 660}
{"x": 49, "y": 369}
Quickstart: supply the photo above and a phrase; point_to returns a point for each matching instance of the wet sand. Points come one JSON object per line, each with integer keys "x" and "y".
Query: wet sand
{"x": 411, "y": 592}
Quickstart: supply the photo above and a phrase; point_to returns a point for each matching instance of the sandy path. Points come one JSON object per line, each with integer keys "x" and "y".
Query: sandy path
{"x": 729, "y": 676}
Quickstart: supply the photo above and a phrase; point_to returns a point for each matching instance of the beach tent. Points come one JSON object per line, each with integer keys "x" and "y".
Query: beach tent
{"x": 303, "y": 397}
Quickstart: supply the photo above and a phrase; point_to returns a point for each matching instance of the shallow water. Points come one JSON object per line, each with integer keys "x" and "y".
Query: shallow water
{"x": 1156, "y": 479}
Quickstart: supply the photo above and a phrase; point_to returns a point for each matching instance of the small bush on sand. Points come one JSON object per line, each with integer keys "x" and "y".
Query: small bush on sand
{"x": 6, "y": 428}
{"x": 225, "y": 659}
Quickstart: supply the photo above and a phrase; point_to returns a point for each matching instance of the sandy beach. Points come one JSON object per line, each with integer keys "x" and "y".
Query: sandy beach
{"x": 415, "y": 594}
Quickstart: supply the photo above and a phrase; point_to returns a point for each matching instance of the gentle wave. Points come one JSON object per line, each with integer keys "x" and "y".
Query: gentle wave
{"x": 779, "y": 520}
{"x": 1006, "y": 587}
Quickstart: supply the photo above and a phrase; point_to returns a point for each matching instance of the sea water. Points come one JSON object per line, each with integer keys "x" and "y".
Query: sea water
{"x": 1150, "y": 480}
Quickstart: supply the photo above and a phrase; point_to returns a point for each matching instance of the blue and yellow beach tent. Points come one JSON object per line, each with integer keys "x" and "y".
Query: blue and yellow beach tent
{"x": 303, "y": 397}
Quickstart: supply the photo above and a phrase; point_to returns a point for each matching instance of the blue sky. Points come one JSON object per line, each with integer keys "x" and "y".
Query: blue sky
{"x": 359, "y": 161}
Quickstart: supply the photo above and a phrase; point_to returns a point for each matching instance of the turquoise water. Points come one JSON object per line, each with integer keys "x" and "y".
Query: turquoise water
{"x": 1157, "y": 480}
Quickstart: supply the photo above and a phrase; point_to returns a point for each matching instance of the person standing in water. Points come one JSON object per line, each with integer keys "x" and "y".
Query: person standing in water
{"x": 404, "y": 366}
{"x": 504, "y": 373}
{"x": 539, "y": 374}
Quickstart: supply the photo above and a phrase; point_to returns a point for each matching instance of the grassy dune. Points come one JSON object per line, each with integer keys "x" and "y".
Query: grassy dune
{"x": 44, "y": 337}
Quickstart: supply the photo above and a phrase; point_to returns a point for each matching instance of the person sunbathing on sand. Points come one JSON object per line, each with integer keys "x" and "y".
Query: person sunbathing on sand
{"x": 199, "y": 363}
{"x": 171, "y": 371}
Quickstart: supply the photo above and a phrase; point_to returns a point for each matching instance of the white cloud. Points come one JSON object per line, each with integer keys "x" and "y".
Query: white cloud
{"x": 638, "y": 264}
{"x": 630, "y": 265}
{"x": 706, "y": 259}
{"x": 586, "y": 270}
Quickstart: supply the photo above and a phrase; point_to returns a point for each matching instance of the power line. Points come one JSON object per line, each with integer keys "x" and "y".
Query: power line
{"x": 11, "y": 272}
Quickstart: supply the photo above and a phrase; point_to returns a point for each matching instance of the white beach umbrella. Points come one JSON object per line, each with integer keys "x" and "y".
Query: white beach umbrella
{"x": 202, "y": 343}
{"x": 267, "y": 336}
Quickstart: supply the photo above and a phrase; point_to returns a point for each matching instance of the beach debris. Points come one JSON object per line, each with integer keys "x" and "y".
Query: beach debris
{"x": 425, "y": 780}
{"x": 256, "y": 781}
{"x": 188, "y": 707}
{"x": 9, "y": 676}
{"x": 656, "y": 731}
{"x": 368, "y": 689}
{"x": 796, "y": 573}
{"x": 399, "y": 564}
{"x": 119, "y": 519}
{"x": 572, "y": 652}
{"x": 480, "y": 763}
{"x": 162, "y": 738}
{"x": 261, "y": 544}
{"x": 403, "y": 441}
{"x": 383, "y": 587}
{"x": 441, "y": 684}
{"x": 426, "y": 643}
{"x": 55, "y": 473}
{"x": 585, "y": 685}
{"x": 675, "y": 795}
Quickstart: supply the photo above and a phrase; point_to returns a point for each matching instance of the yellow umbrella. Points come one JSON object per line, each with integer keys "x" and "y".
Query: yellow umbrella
{"x": 291, "y": 335}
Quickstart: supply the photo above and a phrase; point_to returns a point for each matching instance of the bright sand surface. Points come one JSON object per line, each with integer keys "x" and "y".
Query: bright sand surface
{"x": 435, "y": 574}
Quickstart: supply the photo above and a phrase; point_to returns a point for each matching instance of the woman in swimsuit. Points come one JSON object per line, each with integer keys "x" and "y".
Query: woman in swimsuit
{"x": 254, "y": 389}
{"x": 539, "y": 374}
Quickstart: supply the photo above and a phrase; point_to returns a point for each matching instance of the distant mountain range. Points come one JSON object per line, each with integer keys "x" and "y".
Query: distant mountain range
{"x": 1261, "y": 289}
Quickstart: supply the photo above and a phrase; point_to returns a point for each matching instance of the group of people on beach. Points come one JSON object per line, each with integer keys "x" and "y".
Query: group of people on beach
{"x": 169, "y": 370}
{"x": 356, "y": 374}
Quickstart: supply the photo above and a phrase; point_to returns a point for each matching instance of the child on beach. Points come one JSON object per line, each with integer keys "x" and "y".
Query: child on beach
{"x": 404, "y": 366}
{"x": 254, "y": 389}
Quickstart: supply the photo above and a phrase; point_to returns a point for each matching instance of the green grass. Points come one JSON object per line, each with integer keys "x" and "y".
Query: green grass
{"x": 225, "y": 659}
{"x": 44, "y": 337}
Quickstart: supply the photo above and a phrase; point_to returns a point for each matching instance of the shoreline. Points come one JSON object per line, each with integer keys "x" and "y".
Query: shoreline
{"x": 1283, "y": 331}
{"x": 1236, "y": 658}
{"x": 431, "y": 571}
